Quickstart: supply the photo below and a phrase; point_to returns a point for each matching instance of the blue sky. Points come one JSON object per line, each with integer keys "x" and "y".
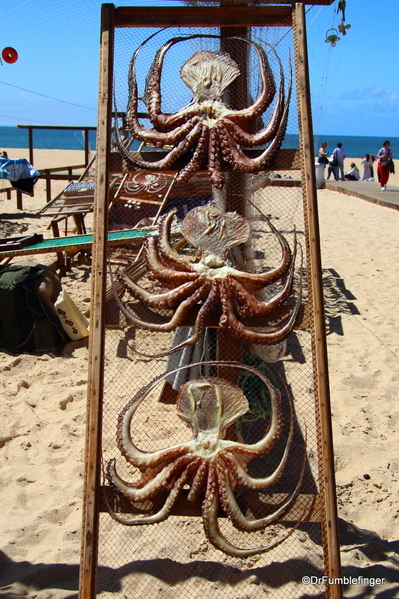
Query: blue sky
{"x": 355, "y": 86}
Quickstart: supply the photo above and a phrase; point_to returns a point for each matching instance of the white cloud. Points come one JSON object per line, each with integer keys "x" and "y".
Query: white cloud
{"x": 369, "y": 93}
{"x": 377, "y": 91}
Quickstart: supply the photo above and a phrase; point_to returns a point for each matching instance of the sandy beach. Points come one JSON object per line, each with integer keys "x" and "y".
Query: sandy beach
{"x": 42, "y": 425}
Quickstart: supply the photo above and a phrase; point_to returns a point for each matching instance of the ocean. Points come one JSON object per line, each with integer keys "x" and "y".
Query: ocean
{"x": 50, "y": 139}
{"x": 45, "y": 139}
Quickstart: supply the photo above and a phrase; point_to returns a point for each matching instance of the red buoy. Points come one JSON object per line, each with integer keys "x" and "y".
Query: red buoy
{"x": 9, "y": 55}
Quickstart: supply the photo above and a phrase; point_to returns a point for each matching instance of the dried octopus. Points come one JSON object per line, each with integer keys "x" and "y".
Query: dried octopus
{"x": 212, "y": 466}
{"x": 206, "y": 127}
{"x": 211, "y": 279}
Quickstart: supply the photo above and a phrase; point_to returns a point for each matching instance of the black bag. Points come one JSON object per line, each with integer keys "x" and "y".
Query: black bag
{"x": 333, "y": 161}
{"x": 391, "y": 165}
{"x": 26, "y": 324}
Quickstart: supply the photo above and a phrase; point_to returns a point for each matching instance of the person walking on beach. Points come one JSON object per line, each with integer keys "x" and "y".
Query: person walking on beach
{"x": 323, "y": 154}
{"x": 333, "y": 165}
{"x": 367, "y": 164}
{"x": 340, "y": 156}
{"x": 384, "y": 157}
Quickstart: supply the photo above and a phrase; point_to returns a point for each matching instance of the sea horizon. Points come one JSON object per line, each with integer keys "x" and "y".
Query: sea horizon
{"x": 52, "y": 139}
{"x": 11, "y": 136}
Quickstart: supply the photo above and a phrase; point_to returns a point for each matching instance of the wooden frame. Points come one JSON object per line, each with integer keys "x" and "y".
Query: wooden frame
{"x": 90, "y": 523}
{"x": 320, "y": 345}
{"x": 32, "y": 128}
{"x": 202, "y": 16}
{"x": 112, "y": 17}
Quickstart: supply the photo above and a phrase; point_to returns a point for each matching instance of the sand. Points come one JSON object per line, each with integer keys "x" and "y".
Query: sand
{"x": 42, "y": 423}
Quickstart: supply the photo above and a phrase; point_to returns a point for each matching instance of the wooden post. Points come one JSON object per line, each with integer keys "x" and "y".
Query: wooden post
{"x": 235, "y": 96}
{"x": 48, "y": 185}
{"x": 30, "y": 136}
{"x": 333, "y": 568}
{"x": 90, "y": 532}
{"x": 87, "y": 147}
{"x": 19, "y": 200}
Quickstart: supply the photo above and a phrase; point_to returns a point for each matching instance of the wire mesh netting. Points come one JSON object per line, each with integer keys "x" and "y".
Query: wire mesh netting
{"x": 186, "y": 546}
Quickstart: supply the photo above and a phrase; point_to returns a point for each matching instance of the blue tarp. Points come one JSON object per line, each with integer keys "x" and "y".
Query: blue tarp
{"x": 20, "y": 173}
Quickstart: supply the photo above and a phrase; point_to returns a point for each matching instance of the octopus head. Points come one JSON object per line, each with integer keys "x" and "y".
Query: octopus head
{"x": 208, "y": 74}
{"x": 213, "y": 232}
{"x": 209, "y": 405}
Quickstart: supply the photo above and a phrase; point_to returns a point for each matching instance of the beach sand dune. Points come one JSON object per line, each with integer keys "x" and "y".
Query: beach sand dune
{"x": 42, "y": 423}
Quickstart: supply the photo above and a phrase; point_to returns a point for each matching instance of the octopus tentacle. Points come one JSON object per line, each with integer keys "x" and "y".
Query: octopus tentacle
{"x": 167, "y": 161}
{"x": 153, "y": 91}
{"x": 152, "y": 94}
{"x": 229, "y": 321}
{"x": 157, "y": 138}
{"x": 149, "y": 136}
{"x": 274, "y": 431}
{"x": 198, "y": 482}
{"x": 154, "y": 77}
{"x": 233, "y": 154}
{"x": 210, "y": 505}
{"x": 232, "y": 509}
{"x": 134, "y": 455}
{"x": 214, "y": 163}
{"x": 267, "y": 481}
{"x": 196, "y": 160}
{"x": 256, "y": 281}
{"x": 135, "y": 492}
{"x": 153, "y": 85}
{"x": 250, "y": 306}
{"x": 210, "y": 512}
{"x": 159, "y": 270}
{"x": 268, "y": 87}
{"x": 163, "y": 513}
{"x": 210, "y": 519}
{"x": 250, "y": 140}
{"x": 173, "y": 322}
{"x": 206, "y": 309}
{"x": 165, "y": 247}
{"x": 165, "y": 299}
